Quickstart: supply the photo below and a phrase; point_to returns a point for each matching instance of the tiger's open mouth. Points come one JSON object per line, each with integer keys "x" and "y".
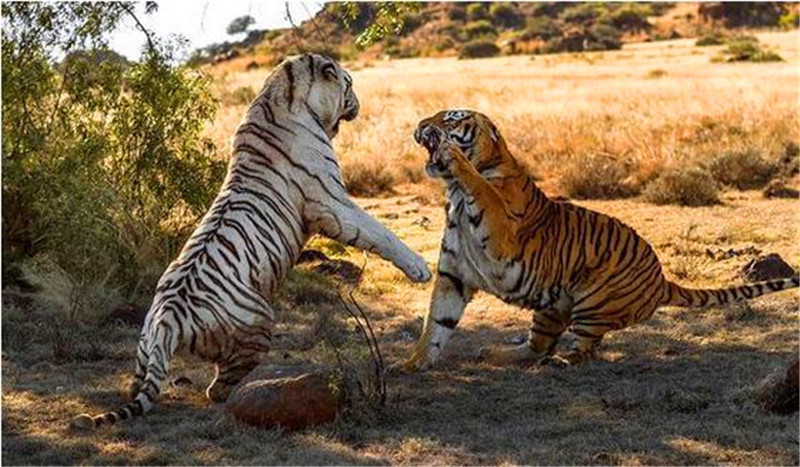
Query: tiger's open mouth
{"x": 431, "y": 138}
{"x": 349, "y": 115}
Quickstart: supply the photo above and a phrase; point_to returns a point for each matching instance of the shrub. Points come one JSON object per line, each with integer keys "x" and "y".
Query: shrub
{"x": 712, "y": 38}
{"x": 456, "y": 12}
{"x": 585, "y": 13}
{"x": 604, "y": 37}
{"x": 737, "y": 14}
{"x": 362, "y": 179}
{"x": 542, "y": 28}
{"x": 692, "y": 186}
{"x": 478, "y": 29}
{"x": 105, "y": 167}
{"x": 656, "y": 73}
{"x": 598, "y": 177}
{"x": 479, "y": 49}
{"x": 790, "y": 20}
{"x": 747, "y": 49}
{"x": 477, "y": 11}
{"x": 505, "y": 15}
{"x": 630, "y": 17}
{"x": 742, "y": 169}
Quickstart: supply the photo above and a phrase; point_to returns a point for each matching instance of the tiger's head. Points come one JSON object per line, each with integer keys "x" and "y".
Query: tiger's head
{"x": 471, "y": 131}
{"x": 318, "y": 85}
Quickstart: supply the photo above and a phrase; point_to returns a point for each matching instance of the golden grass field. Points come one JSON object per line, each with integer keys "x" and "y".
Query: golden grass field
{"x": 675, "y": 390}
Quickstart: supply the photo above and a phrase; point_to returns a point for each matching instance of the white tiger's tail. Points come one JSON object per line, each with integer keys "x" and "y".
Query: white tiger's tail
{"x": 147, "y": 386}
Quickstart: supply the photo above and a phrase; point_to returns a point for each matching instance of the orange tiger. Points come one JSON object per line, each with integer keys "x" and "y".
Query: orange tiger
{"x": 574, "y": 267}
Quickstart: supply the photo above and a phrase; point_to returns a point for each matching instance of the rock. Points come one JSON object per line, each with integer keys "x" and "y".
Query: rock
{"x": 290, "y": 397}
{"x": 779, "y": 189}
{"x": 766, "y": 268}
{"x": 311, "y": 256}
{"x": 779, "y": 391}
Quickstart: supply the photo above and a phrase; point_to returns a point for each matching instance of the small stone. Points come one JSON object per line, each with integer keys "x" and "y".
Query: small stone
{"x": 779, "y": 189}
{"x": 779, "y": 392}
{"x": 767, "y": 268}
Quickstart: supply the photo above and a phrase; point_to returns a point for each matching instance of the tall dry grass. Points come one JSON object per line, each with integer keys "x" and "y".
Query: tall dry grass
{"x": 555, "y": 111}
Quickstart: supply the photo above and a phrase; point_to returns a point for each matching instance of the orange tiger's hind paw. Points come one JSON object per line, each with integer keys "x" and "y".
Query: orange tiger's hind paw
{"x": 502, "y": 356}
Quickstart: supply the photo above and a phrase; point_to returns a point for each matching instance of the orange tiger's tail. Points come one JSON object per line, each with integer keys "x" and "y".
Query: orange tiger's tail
{"x": 677, "y": 295}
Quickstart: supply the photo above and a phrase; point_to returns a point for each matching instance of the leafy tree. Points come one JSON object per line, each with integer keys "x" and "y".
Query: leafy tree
{"x": 240, "y": 25}
{"x": 105, "y": 168}
{"x": 375, "y": 20}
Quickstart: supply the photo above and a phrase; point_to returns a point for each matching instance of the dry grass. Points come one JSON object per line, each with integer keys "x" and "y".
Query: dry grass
{"x": 676, "y": 390}
{"x": 560, "y": 108}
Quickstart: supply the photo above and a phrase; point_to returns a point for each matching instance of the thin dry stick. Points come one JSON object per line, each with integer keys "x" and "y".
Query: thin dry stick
{"x": 369, "y": 337}
{"x": 295, "y": 35}
{"x": 324, "y": 37}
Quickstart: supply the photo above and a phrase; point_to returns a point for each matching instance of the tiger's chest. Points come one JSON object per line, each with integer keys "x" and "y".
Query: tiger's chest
{"x": 475, "y": 266}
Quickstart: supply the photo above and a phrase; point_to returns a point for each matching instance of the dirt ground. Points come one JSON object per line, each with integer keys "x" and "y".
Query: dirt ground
{"x": 676, "y": 390}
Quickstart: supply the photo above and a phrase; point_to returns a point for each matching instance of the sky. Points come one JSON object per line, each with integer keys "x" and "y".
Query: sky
{"x": 204, "y": 22}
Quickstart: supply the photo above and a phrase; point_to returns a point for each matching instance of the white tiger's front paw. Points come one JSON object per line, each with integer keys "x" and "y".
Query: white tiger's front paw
{"x": 417, "y": 270}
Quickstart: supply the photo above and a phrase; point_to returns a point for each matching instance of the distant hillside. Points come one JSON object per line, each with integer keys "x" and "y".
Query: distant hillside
{"x": 487, "y": 29}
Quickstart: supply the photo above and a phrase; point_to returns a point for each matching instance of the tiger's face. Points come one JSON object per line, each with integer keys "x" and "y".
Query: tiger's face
{"x": 330, "y": 97}
{"x": 471, "y": 131}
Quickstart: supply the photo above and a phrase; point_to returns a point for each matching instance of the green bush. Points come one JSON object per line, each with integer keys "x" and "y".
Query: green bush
{"x": 629, "y": 17}
{"x": 479, "y": 49}
{"x": 712, "y": 38}
{"x": 790, "y": 20}
{"x": 743, "y": 169}
{"x": 456, "y": 12}
{"x": 748, "y": 49}
{"x": 603, "y": 37}
{"x": 477, "y": 11}
{"x": 582, "y": 13}
{"x": 480, "y": 28}
{"x": 542, "y": 28}
{"x": 505, "y": 15}
{"x": 683, "y": 186}
{"x": 105, "y": 168}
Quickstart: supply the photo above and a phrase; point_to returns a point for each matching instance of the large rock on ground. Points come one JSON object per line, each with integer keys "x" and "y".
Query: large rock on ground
{"x": 289, "y": 397}
{"x": 779, "y": 392}
{"x": 767, "y": 268}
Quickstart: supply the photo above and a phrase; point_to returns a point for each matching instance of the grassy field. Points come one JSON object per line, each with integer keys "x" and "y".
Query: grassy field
{"x": 676, "y": 390}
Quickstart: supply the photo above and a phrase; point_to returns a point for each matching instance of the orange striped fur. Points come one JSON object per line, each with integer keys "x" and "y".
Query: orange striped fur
{"x": 575, "y": 268}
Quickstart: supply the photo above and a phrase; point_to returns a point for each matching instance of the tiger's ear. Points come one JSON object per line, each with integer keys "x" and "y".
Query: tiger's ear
{"x": 329, "y": 71}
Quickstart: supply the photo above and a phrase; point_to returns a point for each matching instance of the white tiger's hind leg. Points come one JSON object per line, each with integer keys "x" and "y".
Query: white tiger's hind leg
{"x": 162, "y": 347}
{"x": 141, "y": 368}
{"x": 229, "y": 373}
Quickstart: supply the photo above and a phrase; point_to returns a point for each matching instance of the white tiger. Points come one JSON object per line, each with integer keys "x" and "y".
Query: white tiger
{"x": 283, "y": 185}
